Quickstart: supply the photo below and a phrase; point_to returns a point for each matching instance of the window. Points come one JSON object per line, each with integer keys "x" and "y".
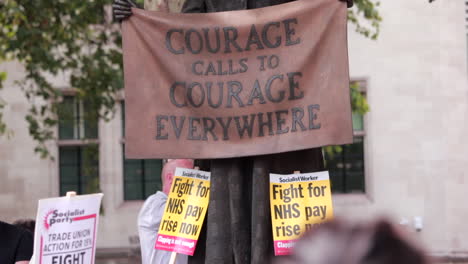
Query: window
{"x": 74, "y": 122}
{"x": 78, "y": 147}
{"x": 142, "y": 177}
{"x": 79, "y": 169}
{"x": 345, "y": 163}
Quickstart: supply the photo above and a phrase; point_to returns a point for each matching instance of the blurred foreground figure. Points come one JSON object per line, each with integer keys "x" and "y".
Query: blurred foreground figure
{"x": 151, "y": 214}
{"x": 339, "y": 242}
{"x": 16, "y": 244}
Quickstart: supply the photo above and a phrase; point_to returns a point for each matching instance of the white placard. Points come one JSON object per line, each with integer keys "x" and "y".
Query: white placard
{"x": 66, "y": 229}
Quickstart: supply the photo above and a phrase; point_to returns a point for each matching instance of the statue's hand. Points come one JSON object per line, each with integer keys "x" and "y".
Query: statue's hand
{"x": 350, "y": 2}
{"x": 122, "y": 9}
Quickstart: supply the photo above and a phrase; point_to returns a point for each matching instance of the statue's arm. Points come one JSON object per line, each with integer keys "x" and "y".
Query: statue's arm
{"x": 194, "y": 6}
{"x": 122, "y": 9}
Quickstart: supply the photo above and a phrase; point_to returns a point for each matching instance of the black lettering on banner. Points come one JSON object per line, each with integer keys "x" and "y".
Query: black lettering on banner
{"x": 254, "y": 39}
{"x": 268, "y": 89}
{"x": 262, "y": 62}
{"x": 313, "y": 116}
{"x": 220, "y": 68}
{"x": 201, "y": 94}
{"x": 189, "y": 41}
{"x": 293, "y": 85}
{"x": 268, "y": 124}
{"x": 290, "y": 32}
{"x": 204, "y": 128}
{"x": 266, "y": 41}
{"x": 172, "y": 94}
{"x": 220, "y": 94}
{"x": 247, "y": 125}
{"x": 231, "y": 39}
{"x": 280, "y": 122}
{"x": 208, "y": 127}
{"x": 297, "y": 114}
{"x": 231, "y": 68}
{"x": 193, "y": 129}
{"x": 225, "y": 126}
{"x": 178, "y": 128}
{"x": 169, "y": 43}
{"x": 194, "y": 67}
{"x": 208, "y": 42}
{"x": 256, "y": 94}
{"x": 160, "y": 127}
{"x": 243, "y": 64}
{"x": 210, "y": 69}
{"x": 273, "y": 61}
{"x": 234, "y": 93}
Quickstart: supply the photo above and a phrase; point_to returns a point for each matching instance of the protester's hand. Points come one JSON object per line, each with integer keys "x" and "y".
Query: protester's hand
{"x": 350, "y": 2}
{"x": 122, "y": 9}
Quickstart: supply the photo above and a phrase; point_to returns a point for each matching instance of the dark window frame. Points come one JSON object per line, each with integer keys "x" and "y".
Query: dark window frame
{"x": 79, "y": 143}
{"x": 342, "y": 187}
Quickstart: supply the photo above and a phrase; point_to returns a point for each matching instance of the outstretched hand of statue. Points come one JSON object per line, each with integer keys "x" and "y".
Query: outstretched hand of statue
{"x": 122, "y": 9}
{"x": 349, "y": 2}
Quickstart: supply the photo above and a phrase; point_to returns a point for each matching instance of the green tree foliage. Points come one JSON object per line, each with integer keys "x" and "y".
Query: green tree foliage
{"x": 3, "y": 128}
{"x": 366, "y": 18}
{"x": 62, "y": 37}
{"x": 76, "y": 38}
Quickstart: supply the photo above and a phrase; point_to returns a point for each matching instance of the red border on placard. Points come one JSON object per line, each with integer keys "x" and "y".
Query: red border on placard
{"x": 174, "y": 247}
{"x": 283, "y": 251}
{"x": 85, "y": 217}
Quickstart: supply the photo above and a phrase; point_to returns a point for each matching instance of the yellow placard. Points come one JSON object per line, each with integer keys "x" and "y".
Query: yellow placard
{"x": 298, "y": 203}
{"x": 185, "y": 211}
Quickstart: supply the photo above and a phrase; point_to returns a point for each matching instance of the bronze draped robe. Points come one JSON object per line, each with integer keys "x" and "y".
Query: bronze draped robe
{"x": 238, "y": 223}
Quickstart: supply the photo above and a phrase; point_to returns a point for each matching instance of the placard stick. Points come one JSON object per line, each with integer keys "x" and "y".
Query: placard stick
{"x": 173, "y": 257}
{"x": 71, "y": 194}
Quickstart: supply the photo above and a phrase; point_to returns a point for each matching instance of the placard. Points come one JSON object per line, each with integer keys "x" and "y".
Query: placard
{"x": 298, "y": 203}
{"x": 185, "y": 211}
{"x": 66, "y": 229}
